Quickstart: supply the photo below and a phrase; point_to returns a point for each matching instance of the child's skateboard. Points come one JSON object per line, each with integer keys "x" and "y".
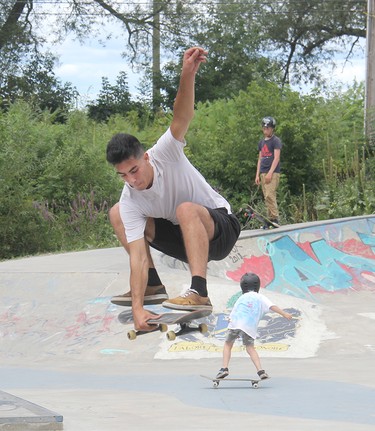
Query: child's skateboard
{"x": 184, "y": 319}
{"x": 216, "y": 382}
{"x": 267, "y": 223}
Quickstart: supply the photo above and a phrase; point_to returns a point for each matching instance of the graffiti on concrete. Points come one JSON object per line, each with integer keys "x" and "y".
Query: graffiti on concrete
{"x": 273, "y": 331}
{"x": 328, "y": 259}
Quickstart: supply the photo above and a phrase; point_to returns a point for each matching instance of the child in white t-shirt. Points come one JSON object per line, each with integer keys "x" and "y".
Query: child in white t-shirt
{"x": 244, "y": 319}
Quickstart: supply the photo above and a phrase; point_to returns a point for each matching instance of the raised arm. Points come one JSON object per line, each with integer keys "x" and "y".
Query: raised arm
{"x": 183, "y": 109}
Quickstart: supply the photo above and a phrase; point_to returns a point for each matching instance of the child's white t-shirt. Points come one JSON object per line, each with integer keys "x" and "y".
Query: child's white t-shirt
{"x": 247, "y": 312}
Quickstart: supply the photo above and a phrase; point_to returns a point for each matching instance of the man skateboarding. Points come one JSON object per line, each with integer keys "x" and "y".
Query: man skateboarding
{"x": 168, "y": 205}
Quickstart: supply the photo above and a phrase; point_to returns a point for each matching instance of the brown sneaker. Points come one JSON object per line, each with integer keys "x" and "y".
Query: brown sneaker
{"x": 190, "y": 300}
{"x": 153, "y": 295}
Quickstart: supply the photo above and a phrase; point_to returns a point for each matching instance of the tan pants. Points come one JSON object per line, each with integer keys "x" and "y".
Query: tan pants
{"x": 269, "y": 193}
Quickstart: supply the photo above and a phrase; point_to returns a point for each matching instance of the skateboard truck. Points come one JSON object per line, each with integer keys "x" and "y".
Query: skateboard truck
{"x": 133, "y": 334}
{"x": 186, "y": 328}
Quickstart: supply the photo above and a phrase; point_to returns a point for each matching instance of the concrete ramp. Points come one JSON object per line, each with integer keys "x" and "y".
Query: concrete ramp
{"x": 58, "y": 329}
{"x": 58, "y": 306}
{"x": 305, "y": 268}
{"x": 17, "y": 414}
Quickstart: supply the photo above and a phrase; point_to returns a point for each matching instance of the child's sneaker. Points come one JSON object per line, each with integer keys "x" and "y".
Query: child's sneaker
{"x": 262, "y": 375}
{"x": 223, "y": 372}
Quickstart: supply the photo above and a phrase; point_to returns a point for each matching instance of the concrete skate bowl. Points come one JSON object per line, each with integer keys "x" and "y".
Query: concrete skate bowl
{"x": 322, "y": 272}
{"x": 58, "y": 306}
{"x": 62, "y": 346}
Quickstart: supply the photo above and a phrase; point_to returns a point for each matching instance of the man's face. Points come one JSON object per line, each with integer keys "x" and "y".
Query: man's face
{"x": 138, "y": 173}
{"x": 267, "y": 131}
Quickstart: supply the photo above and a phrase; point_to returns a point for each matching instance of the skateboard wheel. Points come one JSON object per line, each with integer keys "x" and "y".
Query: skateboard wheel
{"x": 255, "y": 385}
{"x": 171, "y": 335}
{"x": 216, "y": 384}
{"x": 203, "y": 328}
{"x": 163, "y": 327}
{"x": 132, "y": 335}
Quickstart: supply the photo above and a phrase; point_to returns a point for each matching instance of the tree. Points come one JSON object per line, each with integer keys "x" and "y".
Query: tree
{"x": 17, "y": 39}
{"x": 306, "y": 33}
{"x": 293, "y": 36}
{"x": 25, "y": 72}
{"x": 35, "y": 82}
{"x": 232, "y": 37}
{"x": 144, "y": 24}
{"x": 113, "y": 99}
{"x": 279, "y": 41}
{"x": 14, "y": 29}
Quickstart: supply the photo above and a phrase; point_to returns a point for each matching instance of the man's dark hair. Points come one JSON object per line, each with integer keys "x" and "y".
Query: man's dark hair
{"x": 123, "y": 147}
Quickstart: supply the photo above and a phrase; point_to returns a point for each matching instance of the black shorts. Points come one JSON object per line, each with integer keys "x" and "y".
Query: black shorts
{"x": 168, "y": 236}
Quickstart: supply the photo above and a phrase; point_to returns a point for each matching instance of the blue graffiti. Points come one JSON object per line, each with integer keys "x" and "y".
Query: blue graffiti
{"x": 220, "y": 330}
{"x": 368, "y": 240}
{"x": 296, "y": 272}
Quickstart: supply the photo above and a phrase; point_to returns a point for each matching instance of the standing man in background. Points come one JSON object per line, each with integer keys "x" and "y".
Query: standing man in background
{"x": 268, "y": 168}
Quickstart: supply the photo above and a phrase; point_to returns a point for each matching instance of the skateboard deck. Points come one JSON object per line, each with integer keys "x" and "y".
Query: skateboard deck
{"x": 185, "y": 320}
{"x": 266, "y": 221}
{"x": 254, "y": 382}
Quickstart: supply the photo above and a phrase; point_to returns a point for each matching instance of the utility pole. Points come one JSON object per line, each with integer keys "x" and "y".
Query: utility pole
{"x": 156, "y": 56}
{"x": 370, "y": 71}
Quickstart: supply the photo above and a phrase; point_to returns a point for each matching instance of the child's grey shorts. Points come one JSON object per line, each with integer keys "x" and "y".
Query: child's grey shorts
{"x": 233, "y": 334}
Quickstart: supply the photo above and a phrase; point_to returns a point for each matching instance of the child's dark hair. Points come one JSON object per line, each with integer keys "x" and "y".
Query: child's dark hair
{"x": 250, "y": 282}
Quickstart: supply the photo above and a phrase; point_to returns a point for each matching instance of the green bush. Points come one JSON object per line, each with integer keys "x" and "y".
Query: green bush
{"x": 56, "y": 186}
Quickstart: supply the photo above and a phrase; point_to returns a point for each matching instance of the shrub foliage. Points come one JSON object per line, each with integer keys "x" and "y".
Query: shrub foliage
{"x": 56, "y": 186}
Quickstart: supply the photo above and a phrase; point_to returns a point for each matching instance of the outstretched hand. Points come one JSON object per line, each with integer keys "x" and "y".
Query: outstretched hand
{"x": 192, "y": 59}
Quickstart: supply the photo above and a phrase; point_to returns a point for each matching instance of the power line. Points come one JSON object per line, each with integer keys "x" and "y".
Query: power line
{"x": 225, "y": 3}
{"x": 325, "y": 7}
{"x": 208, "y": 3}
{"x": 253, "y": 13}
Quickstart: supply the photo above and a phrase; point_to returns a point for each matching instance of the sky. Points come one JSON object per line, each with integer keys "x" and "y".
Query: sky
{"x": 85, "y": 65}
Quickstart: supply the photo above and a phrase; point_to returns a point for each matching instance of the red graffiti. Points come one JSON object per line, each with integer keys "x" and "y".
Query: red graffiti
{"x": 254, "y": 264}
